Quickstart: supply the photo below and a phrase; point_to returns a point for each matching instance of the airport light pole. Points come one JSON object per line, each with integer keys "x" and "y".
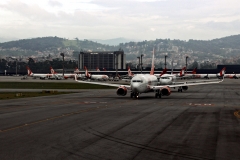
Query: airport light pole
{"x": 62, "y": 54}
{"x": 141, "y": 62}
{"x": 186, "y": 63}
{"x": 165, "y": 64}
{"x": 138, "y": 63}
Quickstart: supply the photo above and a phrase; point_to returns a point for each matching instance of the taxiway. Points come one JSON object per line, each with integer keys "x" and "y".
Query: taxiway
{"x": 200, "y": 123}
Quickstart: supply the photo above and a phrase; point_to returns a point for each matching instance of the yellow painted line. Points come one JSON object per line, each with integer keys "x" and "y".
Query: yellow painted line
{"x": 237, "y": 114}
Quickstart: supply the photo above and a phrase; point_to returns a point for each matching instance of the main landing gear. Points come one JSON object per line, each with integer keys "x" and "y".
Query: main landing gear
{"x": 158, "y": 94}
{"x": 180, "y": 89}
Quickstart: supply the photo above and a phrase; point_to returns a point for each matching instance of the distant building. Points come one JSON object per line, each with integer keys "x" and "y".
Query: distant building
{"x": 107, "y": 59}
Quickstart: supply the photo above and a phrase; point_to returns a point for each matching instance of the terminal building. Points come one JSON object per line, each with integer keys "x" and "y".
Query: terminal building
{"x": 110, "y": 60}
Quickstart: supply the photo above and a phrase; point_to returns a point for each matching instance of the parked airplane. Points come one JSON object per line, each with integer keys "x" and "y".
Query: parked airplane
{"x": 174, "y": 76}
{"x": 100, "y": 70}
{"x": 79, "y": 76}
{"x": 59, "y": 76}
{"x": 208, "y": 76}
{"x": 38, "y": 75}
{"x": 232, "y": 76}
{"x": 143, "y": 83}
{"x": 95, "y": 77}
{"x": 190, "y": 75}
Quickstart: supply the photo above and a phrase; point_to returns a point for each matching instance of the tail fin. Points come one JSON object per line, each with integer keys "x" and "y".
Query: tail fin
{"x": 163, "y": 72}
{"x": 152, "y": 68}
{"x": 86, "y": 73}
{"x": 52, "y": 71}
{"x": 222, "y": 72}
{"x": 182, "y": 72}
{"x": 98, "y": 69}
{"x": 29, "y": 71}
{"x": 130, "y": 74}
{"x": 194, "y": 71}
{"x": 76, "y": 70}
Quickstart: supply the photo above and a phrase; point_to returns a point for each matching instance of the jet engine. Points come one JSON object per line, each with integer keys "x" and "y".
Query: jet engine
{"x": 165, "y": 91}
{"x": 122, "y": 91}
{"x": 185, "y": 88}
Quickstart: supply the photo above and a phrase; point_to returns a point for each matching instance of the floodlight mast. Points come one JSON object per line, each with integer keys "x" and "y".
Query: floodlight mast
{"x": 62, "y": 54}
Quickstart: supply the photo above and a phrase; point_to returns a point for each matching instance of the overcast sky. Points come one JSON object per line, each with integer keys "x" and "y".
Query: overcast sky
{"x": 132, "y": 19}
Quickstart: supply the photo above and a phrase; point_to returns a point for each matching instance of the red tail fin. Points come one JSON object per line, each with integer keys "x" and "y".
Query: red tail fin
{"x": 52, "y": 71}
{"x": 29, "y": 71}
{"x": 182, "y": 72}
{"x": 163, "y": 72}
{"x": 194, "y": 71}
{"x": 222, "y": 72}
{"x": 86, "y": 72}
{"x": 130, "y": 74}
{"x": 76, "y": 70}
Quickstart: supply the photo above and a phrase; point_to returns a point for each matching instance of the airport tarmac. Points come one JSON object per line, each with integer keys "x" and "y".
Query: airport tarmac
{"x": 200, "y": 123}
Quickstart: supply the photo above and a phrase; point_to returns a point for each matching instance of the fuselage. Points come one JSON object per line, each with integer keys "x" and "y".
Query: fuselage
{"x": 140, "y": 82}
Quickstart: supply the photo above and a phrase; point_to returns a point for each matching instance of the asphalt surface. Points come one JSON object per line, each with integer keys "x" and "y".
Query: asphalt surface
{"x": 200, "y": 123}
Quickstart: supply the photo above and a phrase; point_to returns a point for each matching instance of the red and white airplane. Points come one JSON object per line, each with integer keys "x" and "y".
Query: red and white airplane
{"x": 59, "y": 76}
{"x": 208, "y": 76}
{"x": 38, "y": 75}
{"x": 143, "y": 83}
{"x": 95, "y": 77}
{"x": 232, "y": 76}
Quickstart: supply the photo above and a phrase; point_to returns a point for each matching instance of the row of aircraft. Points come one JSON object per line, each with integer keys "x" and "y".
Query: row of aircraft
{"x": 55, "y": 75}
{"x": 160, "y": 84}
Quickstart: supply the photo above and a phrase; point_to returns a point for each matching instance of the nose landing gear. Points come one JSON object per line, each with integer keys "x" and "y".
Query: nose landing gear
{"x": 134, "y": 95}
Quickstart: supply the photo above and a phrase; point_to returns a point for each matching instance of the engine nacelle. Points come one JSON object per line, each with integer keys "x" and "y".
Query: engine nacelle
{"x": 185, "y": 88}
{"x": 122, "y": 91}
{"x": 165, "y": 91}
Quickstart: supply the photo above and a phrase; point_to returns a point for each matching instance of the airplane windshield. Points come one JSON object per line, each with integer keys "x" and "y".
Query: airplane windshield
{"x": 139, "y": 81}
{"x": 165, "y": 78}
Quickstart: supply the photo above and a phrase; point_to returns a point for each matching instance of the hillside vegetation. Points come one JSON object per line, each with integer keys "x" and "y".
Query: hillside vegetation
{"x": 28, "y": 47}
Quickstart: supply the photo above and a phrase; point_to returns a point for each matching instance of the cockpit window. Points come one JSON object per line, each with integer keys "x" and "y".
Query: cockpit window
{"x": 139, "y": 81}
{"x": 165, "y": 78}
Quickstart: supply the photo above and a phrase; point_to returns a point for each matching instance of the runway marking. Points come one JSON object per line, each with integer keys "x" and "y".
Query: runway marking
{"x": 237, "y": 114}
{"x": 93, "y": 102}
{"x": 61, "y": 116}
{"x": 53, "y": 118}
{"x": 200, "y": 104}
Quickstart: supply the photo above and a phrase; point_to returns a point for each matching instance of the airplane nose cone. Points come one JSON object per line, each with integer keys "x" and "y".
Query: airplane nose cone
{"x": 135, "y": 87}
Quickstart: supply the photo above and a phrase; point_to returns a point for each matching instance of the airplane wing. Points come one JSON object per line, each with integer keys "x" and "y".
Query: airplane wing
{"x": 104, "y": 84}
{"x": 185, "y": 84}
{"x": 211, "y": 80}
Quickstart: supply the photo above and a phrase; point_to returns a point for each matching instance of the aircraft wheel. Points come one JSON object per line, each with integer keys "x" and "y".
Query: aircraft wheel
{"x": 156, "y": 95}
